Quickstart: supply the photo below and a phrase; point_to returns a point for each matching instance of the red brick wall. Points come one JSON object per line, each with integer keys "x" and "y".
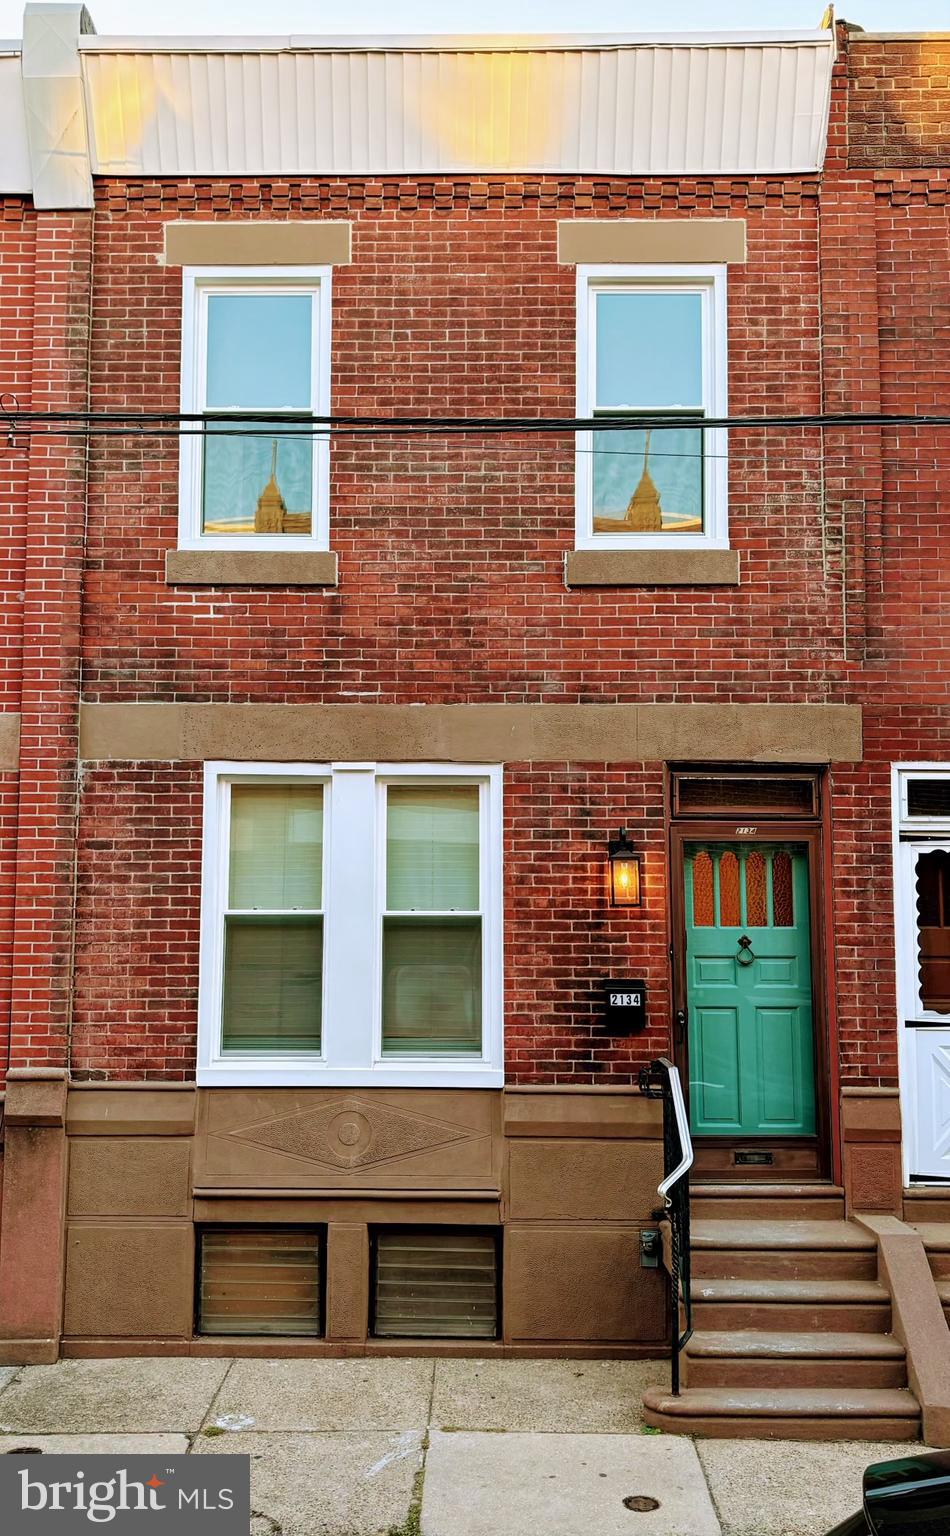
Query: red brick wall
{"x": 904, "y": 681}
{"x": 49, "y": 701}
{"x": 137, "y": 914}
{"x": 451, "y": 550}
{"x": 17, "y": 231}
{"x": 138, "y": 921}
{"x": 451, "y": 578}
{"x": 899, "y": 101}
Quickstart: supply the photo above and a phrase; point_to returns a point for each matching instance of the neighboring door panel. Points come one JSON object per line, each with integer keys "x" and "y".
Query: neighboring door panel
{"x": 932, "y": 1072}
{"x": 923, "y": 908}
{"x": 749, "y": 990}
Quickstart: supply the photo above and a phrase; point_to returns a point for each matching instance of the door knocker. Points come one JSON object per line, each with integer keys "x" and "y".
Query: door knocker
{"x": 745, "y": 955}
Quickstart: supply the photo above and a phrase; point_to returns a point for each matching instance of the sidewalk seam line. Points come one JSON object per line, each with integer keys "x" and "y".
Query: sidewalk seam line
{"x": 419, "y": 1483}
{"x": 18, "y": 1372}
{"x": 709, "y": 1489}
{"x": 214, "y": 1398}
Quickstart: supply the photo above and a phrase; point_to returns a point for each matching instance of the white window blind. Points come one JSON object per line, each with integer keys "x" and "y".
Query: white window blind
{"x": 432, "y": 949}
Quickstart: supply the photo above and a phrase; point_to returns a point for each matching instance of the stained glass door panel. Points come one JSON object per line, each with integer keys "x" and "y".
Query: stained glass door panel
{"x": 749, "y": 991}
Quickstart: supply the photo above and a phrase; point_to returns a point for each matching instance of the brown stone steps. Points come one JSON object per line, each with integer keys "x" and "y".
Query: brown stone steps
{"x": 770, "y": 1202}
{"x": 748, "y": 1358}
{"x": 936, "y": 1240}
{"x": 934, "y": 1235}
{"x": 786, "y": 1413}
{"x": 795, "y": 1306}
{"x": 724, "y": 1264}
{"x": 825, "y": 1235}
{"x": 786, "y": 1250}
{"x": 926, "y": 1205}
{"x": 791, "y": 1323}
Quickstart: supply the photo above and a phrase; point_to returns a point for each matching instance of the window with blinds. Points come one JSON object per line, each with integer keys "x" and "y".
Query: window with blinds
{"x": 261, "y": 1280}
{"x": 351, "y": 925}
{"x": 432, "y": 924}
{"x": 273, "y": 922}
{"x": 436, "y": 1283}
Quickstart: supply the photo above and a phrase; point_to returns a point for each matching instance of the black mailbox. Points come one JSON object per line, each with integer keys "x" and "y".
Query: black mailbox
{"x": 625, "y": 1007}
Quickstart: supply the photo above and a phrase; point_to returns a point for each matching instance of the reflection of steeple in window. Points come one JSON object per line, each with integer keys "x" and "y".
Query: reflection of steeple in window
{"x": 644, "y": 513}
{"x": 271, "y": 508}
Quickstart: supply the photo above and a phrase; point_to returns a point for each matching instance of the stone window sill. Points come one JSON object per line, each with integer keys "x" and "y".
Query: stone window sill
{"x": 250, "y": 568}
{"x": 652, "y": 568}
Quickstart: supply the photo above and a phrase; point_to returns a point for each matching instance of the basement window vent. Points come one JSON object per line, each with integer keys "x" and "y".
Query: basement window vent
{"x": 732, "y": 794}
{"x": 436, "y": 1284}
{"x": 929, "y": 797}
{"x": 261, "y": 1280}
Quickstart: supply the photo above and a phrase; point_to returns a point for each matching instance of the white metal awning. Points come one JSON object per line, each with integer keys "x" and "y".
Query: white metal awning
{"x": 628, "y": 105}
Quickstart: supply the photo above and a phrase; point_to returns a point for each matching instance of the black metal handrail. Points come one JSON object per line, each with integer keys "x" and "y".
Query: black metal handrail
{"x": 661, "y": 1080}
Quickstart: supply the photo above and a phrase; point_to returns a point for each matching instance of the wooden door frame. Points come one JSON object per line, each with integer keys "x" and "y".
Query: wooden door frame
{"x": 780, "y": 830}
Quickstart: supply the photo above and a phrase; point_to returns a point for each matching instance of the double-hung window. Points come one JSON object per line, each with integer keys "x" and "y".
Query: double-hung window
{"x": 255, "y": 368}
{"x": 651, "y": 342}
{"x": 351, "y": 925}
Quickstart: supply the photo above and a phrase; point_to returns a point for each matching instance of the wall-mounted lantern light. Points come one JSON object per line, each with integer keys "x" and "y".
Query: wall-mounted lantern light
{"x": 623, "y": 863}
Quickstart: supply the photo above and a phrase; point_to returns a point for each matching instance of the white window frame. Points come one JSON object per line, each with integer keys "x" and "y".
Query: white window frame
{"x": 198, "y": 284}
{"x": 354, "y": 834}
{"x": 709, "y": 280}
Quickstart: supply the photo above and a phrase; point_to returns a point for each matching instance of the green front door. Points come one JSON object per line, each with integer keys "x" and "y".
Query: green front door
{"x": 749, "y": 1000}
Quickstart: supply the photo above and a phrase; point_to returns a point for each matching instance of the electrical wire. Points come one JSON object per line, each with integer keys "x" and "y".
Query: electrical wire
{"x": 192, "y": 423}
{"x": 183, "y": 424}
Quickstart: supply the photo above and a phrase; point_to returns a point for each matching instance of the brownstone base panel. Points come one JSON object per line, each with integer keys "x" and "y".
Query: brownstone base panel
{"x": 29, "y": 1351}
{"x": 321, "y": 1349}
{"x": 567, "y": 1176}
{"x": 871, "y": 1137}
{"x": 33, "y": 1216}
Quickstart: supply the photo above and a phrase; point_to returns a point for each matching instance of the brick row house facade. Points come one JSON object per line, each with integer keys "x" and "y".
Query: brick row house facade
{"x": 377, "y": 801}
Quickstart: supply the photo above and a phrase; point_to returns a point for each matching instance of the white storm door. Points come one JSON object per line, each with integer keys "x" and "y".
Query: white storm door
{"x": 931, "y": 1141}
{"x": 923, "y": 956}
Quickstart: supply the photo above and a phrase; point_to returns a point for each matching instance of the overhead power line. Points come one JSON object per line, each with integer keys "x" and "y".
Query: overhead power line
{"x": 265, "y": 424}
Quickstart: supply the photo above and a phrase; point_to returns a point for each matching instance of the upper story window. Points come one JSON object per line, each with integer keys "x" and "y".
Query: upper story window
{"x": 651, "y": 341}
{"x": 351, "y": 925}
{"x": 254, "y": 344}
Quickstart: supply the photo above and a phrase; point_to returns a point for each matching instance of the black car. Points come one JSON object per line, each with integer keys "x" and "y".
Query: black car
{"x": 908, "y": 1497}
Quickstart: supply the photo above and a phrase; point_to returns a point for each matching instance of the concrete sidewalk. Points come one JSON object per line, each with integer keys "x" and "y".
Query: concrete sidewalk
{"x": 440, "y": 1448}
